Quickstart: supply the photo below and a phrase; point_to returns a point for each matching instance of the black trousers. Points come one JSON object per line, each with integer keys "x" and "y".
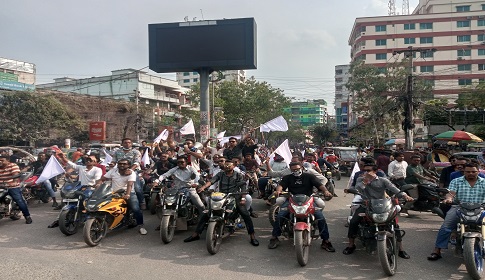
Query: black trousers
{"x": 355, "y": 221}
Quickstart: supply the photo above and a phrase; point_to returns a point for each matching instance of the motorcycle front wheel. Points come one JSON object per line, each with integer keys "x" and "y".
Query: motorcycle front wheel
{"x": 302, "y": 246}
{"x": 154, "y": 200}
{"x": 67, "y": 224}
{"x": 213, "y": 237}
{"x": 94, "y": 230}
{"x": 167, "y": 228}
{"x": 472, "y": 254}
{"x": 387, "y": 252}
{"x": 273, "y": 213}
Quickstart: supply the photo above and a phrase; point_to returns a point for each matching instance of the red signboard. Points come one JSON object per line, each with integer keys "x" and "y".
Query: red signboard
{"x": 97, "y": 131}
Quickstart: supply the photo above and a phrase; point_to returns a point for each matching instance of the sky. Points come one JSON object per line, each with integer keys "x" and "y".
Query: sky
{"x": 298, "y": 42}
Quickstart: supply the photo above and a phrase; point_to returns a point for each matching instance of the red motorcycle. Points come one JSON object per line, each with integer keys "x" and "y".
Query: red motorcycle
{"x": 33, "y": 191}
{"x": 301, "y": 224}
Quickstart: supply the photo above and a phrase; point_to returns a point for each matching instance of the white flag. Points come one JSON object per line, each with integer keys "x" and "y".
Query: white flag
{"x": 107, "y": 158}
{"x": 51, "y": 169}
{"x": 188, "y": 128}
{"x": 284, "y": 151}
{"x": 220, "y": 135}
{"x": 145, "y": 160}
{"x": 276, "y": 124}
{"x": 352, "y": 175}
{"x": 163, "y": 136}
{"x": 226, "y": 139}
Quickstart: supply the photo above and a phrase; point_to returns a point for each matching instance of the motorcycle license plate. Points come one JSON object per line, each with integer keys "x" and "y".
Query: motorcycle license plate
{"x": 70, "y": 200}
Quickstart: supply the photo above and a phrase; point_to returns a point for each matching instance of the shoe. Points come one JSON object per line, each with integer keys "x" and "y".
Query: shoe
{"x": 349, "y": 250}
{"x": 327, "y": 246}
{"x": 404, "y": 255}
{"x": 254, "y": 242}
{"x": 404, "y": 214}
{"x": 434, "y": 257}
{"x": 191, "y": 238}
{"x": 254, "y": 215}
{"x": 28, "y": 220}
{"x": 55, "y": 204}
{"x": 143, "y": 206}
{"x": 273, "y": 243}
{"x": 143, "y": 231}
{"x": 54, "y": 224}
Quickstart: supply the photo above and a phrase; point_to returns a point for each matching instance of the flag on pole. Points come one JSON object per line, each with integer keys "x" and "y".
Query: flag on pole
{"x": 145, "y": 160}
{"x": 352, "y": 175}
{"x": 163, "y": 136}
{"x": 220, "y": 135}
{"x": 107, "y": 158}
{"x": 284, "y": 151}
{"x": 51, "y": 169}
{"x": 276, "y": 124}
{"x": 188, "y": 128}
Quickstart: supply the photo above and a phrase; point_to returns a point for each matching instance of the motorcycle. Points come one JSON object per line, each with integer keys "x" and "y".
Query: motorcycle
{"x": 330, "y": 184}
{"x": 223, "y": 218}
{"x": 72, "y": 214}
{"x": 336, "y": 172}
{"x": 377, "y": 230}
{"x": 177, "y": 212}
{"x": 430, "y": 198}
{"x": 105, "y": 210}
{"x": 8, "y": 207}
{"x": 301, "y": 225}
{"x": 471, "y": 237}
{"x": 33, "y": 191}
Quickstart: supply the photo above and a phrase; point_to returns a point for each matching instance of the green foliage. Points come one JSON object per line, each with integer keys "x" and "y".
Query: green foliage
{"x": 472, "y": 98}
{"x": 322, "y": 134}
{"x": 32, "y": 117}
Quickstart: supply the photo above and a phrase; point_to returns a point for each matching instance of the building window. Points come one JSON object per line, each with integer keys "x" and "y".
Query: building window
{"x": 426, "y": 25}
{"x": 464, "y": 82}
{"x": 339, "y": 80}
{"x": 186, "y": 81}
{"x": 195, "y": 73}
{"x": 483, "y": 7}
{"x": 464, "y": 67}
{"x": 481, "y": 22}
{"x": 464, "y": 52}
{"x": 481, "y": 52}
{"x": 427, "y": 54}
{"x": 426, "y": 40}
{"x": 409, "y": 26}
{"x": 195, "y": 80}
{"x": 186, "y": 73}
{"x": 481, "y": 37}
{"x": 462, "y": 8}
{"x": 409, "y": 40}
{"x": 463, "y": 38}
{"x": 338, "y": 72}
{"x": 481, "y": 67}
{"x": 463, "y": 23}
{"x": 338, "y": 88}
{"x": 382, "y": 42}
{"x": 381, "y": 56}
{"x": 362, "y": 29}
{"x": 428, "y": 68}
{"x": 380, "y": 28}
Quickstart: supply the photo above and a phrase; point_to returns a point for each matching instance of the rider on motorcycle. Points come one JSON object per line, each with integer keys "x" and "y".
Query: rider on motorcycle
{"x": 373, "y": 187}
{"x": 300, "y": 182}
{"x": 38, "y": 167}
{"x": 229, "y": 181}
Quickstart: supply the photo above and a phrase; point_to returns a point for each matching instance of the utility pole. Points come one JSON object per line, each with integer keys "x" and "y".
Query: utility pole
{"x": 408, "y": 123}
{"x": 137, "y": 121}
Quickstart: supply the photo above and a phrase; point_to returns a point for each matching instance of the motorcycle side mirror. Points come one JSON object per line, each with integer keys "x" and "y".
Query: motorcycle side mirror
{"x": 352, "y": 191}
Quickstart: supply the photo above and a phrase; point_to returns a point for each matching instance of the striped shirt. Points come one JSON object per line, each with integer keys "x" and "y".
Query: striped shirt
{"x": 6, "y": 173}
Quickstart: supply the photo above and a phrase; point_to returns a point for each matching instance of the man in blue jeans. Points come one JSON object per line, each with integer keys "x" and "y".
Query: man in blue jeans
{"x": 467, "y": 189}
{"x": 299, "y": 182}
{"x": 9, "y": 173}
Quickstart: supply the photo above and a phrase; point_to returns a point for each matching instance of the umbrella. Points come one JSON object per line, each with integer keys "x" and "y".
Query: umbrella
{"x": 395, "y": 141}
{"x": 445, "y": 142}
{"x": 458, "y": 135}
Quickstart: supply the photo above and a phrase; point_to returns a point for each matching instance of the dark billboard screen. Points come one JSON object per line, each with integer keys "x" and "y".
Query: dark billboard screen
{"x": 228, "y": 44}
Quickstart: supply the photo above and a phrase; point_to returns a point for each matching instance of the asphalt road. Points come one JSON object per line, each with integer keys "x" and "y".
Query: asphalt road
{"x": 36, "y": 252}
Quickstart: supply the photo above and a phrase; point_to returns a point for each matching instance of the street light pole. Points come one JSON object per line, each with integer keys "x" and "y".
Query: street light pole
{"x": 137, "y": 121}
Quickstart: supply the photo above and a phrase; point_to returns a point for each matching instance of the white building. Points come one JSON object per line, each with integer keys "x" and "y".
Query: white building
{"x": 16, "y": 75}
{"x": 165, "y": 95}
{"x": 342, "y": 99}
{"x": 454, "y": 29}
{"x": 188, "y": 79}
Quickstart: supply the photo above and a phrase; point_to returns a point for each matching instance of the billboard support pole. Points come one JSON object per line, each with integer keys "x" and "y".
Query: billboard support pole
{"x": 204, "y": 104}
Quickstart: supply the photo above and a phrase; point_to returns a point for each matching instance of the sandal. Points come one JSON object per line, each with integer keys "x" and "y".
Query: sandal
{"x": 434, "y": 257}
{"x": 349, "y": 250}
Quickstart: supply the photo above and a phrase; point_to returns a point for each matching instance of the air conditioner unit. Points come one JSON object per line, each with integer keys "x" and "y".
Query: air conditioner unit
{"x": 460, "y": 58}
{"x": 481, "y": 16}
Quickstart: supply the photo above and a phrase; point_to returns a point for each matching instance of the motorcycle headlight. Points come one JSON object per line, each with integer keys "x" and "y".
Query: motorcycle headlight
{"x": 299, "y": 210}
{"x": 169, "y": 200}
{"x": 380, "y": 218}
{"x": 92, "y": 207}
{"x": 7, "y": 199}
{"x": 216, "y": 205}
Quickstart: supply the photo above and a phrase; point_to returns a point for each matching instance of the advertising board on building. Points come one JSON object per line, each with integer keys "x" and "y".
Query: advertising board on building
{"x": 97, "y": 131}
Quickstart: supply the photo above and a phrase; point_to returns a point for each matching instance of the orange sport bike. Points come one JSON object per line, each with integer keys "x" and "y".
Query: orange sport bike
{"x": 106, "y": 210}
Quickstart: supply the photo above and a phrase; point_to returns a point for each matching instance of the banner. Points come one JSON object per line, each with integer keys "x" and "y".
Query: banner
{"x": 97, "y": 131}
{"x": 51, "y": 169}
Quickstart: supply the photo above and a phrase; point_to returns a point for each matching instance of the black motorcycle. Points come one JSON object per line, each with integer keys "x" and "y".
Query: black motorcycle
{"x": 430, "y": 198}
{"x": 8, "y": 207}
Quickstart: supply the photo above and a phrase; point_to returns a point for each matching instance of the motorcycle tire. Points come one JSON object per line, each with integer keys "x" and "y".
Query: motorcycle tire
{"x": 338, "y": 175}
{"x": 167, "y": 228}
{"x": 331, "y": 188}
{"x": 94, "y": 231}
{"x": 67, "y": 224}
{"x": 302, "y": 246}
{"x": 15, "y": 215}
{"x": 153, "y": 203}
{"x": 213, "y": 237}
{"x": 45, "y": 198}
{"x": 387, "y": 252}
{"x": 273, "y": 213}
{"x": 472, "y": 255}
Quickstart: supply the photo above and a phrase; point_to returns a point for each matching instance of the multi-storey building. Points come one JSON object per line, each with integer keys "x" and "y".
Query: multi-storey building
{"x": 342, "y": 99}
{"x": 308, "y": 113}
{"x": 454, "y": 30}
{"x": 16, "y": 75}
{"x": 188, "y": 79}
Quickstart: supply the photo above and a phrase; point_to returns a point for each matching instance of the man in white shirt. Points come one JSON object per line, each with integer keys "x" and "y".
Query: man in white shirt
{"x": 397, "y": 170}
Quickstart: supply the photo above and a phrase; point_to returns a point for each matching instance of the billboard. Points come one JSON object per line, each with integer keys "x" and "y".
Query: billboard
{"x": 228, "y": 44}
{"x": 12, "y": 85}
{"x": 97, "y": 131}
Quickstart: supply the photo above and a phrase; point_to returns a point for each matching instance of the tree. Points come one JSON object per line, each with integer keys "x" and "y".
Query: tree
{"x": 472, "y": 98}
{"x": 26, "y": 116}
{"x": 322, "y": 134}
